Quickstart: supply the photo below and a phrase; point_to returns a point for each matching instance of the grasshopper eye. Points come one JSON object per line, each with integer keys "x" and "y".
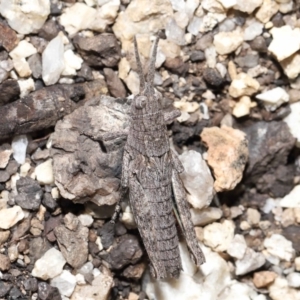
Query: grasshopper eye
{"x": 140, "y": 102}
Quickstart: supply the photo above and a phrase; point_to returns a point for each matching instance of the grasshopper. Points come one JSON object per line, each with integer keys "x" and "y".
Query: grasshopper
{"x": 150, "y": 172}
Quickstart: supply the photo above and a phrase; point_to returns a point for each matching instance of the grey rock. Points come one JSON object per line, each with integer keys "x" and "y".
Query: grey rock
{"x": 4, "y": 176}
{"x": 30, "y": 193}
{"x": 4, "y": 288}
{"x": 73, "y": 244}
{"x": 85, "y": 72}
{"x": 97, "y": 167}
{"x": 204, "y": 42}
{"x": 49, "y": 202}
{"x": 126, "y": 251}
{"x": 49, "y": 30}
{"x": 212, "y": 77}
{"x": 100, "y": 50}
{"x": 114, "y": 83}
{"x": 39, "y": 43}
{"x": 12, "y": 167}
{"x": 15, "y": 293}
{"x": 37, "y": 248}
{"x": 197, "y": 56}
{"x": 31, "y": 284}
{"x": 9, "y": 91}
{"x": 21, "y": 229}
{"x": 107, "y": 234}
{"x": 35, "y": 64}
{"x": 248, "y": 61}
{"x": 48, "y": 292}
{"x": 259, "y": 44}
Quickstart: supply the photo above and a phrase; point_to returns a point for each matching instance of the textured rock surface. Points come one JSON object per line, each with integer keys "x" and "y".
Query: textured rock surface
{"x": 227, "y": 155}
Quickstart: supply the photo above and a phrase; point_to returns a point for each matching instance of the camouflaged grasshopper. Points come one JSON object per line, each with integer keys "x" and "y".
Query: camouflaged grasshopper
{"x": 150, "y": 172}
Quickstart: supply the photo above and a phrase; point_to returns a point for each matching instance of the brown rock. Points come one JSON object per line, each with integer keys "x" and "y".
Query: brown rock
{"x": 5, "y": 153}
{"x": 212, "y": 77}
{"x": 263, "y": 278}
{"x": 176, "y": 65}
{"x": 291, "y": 233}
{"x": 114, "y": 84}
{"x": 227, "y": 155}
{"x": 73, "y": 244}
{"x": 4, "y": 262}
{"x": 9, "y": 91}
{"x": 134, "y": 272}
{"x": 100, "y": 50}
{"x": 8, "y": 37}
{"x": 4, "y": 235}
{"x": 49, "y": 30}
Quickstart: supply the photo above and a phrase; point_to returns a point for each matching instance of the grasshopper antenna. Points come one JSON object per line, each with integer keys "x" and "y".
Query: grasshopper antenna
{"x": 139, "y": 65}
{"x": 152, "y": 63}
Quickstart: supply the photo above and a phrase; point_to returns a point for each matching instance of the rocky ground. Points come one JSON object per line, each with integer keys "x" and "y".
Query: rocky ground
{"x": 66, "y": 67}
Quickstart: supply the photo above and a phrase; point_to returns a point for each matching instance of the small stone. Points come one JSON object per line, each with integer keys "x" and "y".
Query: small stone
{"x": 133, "y": 296}
{"x": 134, "y": 272}
{"x": 8, "y": 37}
{"x": 282, "y": 36}
{"x": 293, "y": 279}
{"x": 22, "y": 67}
{"x": 263, "y": 279}
{"x": 4, "y": 235}
{"x": 9, "y": 91}
{"x": 4, "y": 289}
{"x": 99, "y": 289}
{"x": 212, "y": 77}
{"x": 251, "y": 261}
{"x": 243, "y": 107}
{"x": 243, "y": 85}
{"x": 293, "y": 122}
{"x": 176, "y": 65}
{"x": 23, "y": 50}
{"x": 47, "y": 292}
{"x": 72, "y": 63}
{"x": 280, "y": 290}
{"x": 35, "y": 64}
{"x": 49, "y": 30}
{"x": 259, "y": 44}
{"x": 4, "y": 176}
{"x": 274, "y": 98}
{"x": 280, "y": 247}
{"x": 219, "y": 236}
{"x": 205, "y": 216}
{"x": 5, "y": 153}
{"x": 249, "y": 6}
{"x": 227, "y": 155}
{"x": 49, "y": 265}
{"x": 114, "y": 83}
{"x": 196, "y": 177}
{"x": 291, "y": 65}
{"x": 175, "y": 33}
{"x": 268, "y": 9}
{"x": 26, "y": 86}
{"x": 292, "y": 199}
{"x": 86, "y": 220}
{"x": 237, "y": 247}
{"x": 53, "y": 60}
{"x": 4, "y": 263}
{"x": 297, "y": 263}
{"x": 227, "y": 42}
{"x": 25, "y": 17}
{"x": 44, "y": 172}
{"x": 288, "y": 217}
{"x": 10, "y": 216}
{"x": 65, "y": 282}
{"x": 253, "y": 30}
{"x": 19, "y": 146}
{"x": 253, "y": 216}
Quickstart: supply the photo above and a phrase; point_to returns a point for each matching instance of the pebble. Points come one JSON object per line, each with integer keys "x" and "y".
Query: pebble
{"x": 280, "y": 290}
{"x": 237, "y": 247}
{"x": 253, "y": 216}
{"x": 293, "y": 122}
{"x": 292, "y": 199}
{"x": 280, "y": 247}
{"x": 49, "y": 265}
{"x": 282, "y": 36}
{"x": 264, "y": 278}
{"x": 99, "y": 289}
{"x": 253, "y": 30}
{"x": 242, "y": 107}
{"x": 227, "y": 147}
{"x": 293, "y": 279}
{"x": 291, "y": 65}
{"x": 249, "y": 6}
{"x": 219, "y": 236}
{"x": 65, "y": 283}
{"x": 251, "y": 261}
{"x": 10, "y": 216}
{"x": 197, "y": 179}
{"x": 86, "y": 220}
{"x": 19, "y": 146}
{"x": 4, "y": 235}
{"x": 25, "y": 17}
{"x": 268, "y": 9}
{"x": 4, "y": 262}
{"x": 26, "y": 86}
{"x": 274, "y": 98}
{"x": 23, "y": 50}
{"x": 53, "y": 60}
{"x": 44, "y": 172}
{"x": 174, "y": 33}
{"x": 243, "y": 85}
{"x": 205, "y": 216}
{"x": 72, "y": 63}
{"x": 227, "y": 42}
{"x": 5, "y": 153}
